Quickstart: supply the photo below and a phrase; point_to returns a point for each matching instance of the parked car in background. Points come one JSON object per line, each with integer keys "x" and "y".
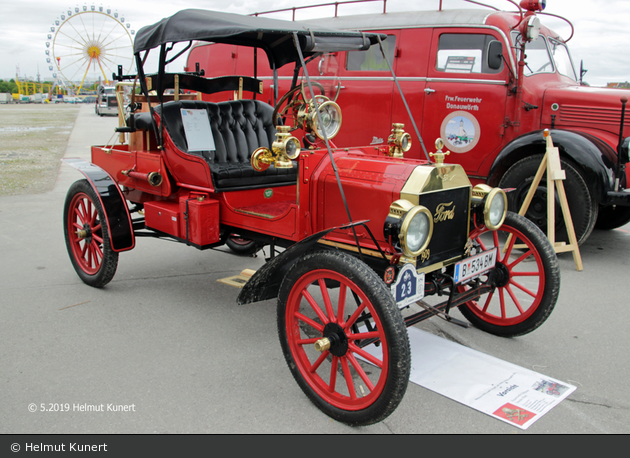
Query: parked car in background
{"x": 106, "y": 103}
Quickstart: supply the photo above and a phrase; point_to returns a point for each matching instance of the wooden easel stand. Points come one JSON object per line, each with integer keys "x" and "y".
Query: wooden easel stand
{"x": 555, "y": 176}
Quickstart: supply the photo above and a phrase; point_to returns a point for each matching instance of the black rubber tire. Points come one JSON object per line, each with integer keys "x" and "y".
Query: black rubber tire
{"x": 583, "y": 207}
{"x": 92, "y": 256}
{"x": 320, "y": 271}
{"x": 612, "y": 218}
{"x": 243, "y": 246}
{"x": 490, "y": 312}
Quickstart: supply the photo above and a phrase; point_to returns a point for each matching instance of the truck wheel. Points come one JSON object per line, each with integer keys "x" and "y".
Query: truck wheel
{"x": 87, "y": 236}
{"x": 612, "y": 217}
{"x": 527, "y": 279}
{"x": 582, "y": 206}
{"x": 332, "y": 295}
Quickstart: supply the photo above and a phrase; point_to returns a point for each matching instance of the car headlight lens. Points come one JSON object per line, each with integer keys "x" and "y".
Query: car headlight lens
{"x": 495, "y": 209}
{"x": 416, "y": 231}
{"x": 292, "y": 148}
{"x": 330, "y": 115}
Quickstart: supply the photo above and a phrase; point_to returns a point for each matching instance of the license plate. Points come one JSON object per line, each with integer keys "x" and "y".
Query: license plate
{"x": 409, "y": 286}
{"x": 474, "y": 266}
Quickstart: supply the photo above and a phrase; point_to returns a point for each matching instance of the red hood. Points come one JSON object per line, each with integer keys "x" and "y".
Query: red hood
{"x": 585, "y": 107}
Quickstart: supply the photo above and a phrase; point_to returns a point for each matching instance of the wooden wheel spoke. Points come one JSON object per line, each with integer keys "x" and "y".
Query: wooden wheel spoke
{"x": 514, "y": 299}
{"x": 359, "y": 370}
{"x": 364, "y": 354}
{"x": 326, "y": 298}
{"x": 522, "y": 288}
{"x": 315, "y": 306}
{"x": 311, "y": 323}
{"x": 348, "y": 376}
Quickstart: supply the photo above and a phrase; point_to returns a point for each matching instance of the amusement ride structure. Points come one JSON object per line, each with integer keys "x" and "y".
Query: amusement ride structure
{"x": 86, "y": 43}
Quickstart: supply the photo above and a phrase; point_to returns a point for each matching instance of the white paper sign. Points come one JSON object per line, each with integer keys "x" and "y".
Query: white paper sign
{"x": 500, "y": 389}
{"x": 197, "y": 128}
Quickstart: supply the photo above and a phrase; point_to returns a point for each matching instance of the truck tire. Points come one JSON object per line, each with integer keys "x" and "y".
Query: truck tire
{"x": 612, "y": 217}
{"x": 583, "y": 207}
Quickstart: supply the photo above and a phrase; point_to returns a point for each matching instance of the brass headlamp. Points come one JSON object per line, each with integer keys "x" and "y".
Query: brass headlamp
{"x": 284, "y": 150}
{"x": 399, "y": 141}
{"x": 330, "y": 115}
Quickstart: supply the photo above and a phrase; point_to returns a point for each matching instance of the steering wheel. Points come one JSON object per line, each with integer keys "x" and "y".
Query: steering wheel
{"x": 289, "y": 104}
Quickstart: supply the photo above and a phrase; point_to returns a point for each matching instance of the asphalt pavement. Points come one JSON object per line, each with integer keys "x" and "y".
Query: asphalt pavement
{"x": 168, "y": 345}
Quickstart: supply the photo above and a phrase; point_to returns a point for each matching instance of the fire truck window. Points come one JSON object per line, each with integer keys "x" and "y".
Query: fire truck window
{"x": 372, "y": 59}
{"x": 464, "y": 53}
{"x": 538, "y": 58}
{"x": 562, "y": 59}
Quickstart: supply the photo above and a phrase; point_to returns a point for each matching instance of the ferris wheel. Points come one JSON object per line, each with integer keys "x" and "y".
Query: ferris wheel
{"x": 89, "y": 43}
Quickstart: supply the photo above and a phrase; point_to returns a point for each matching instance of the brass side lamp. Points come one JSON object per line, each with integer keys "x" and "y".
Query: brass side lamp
{"x": 399, "y": 141}
{"x": 284, "y": 150}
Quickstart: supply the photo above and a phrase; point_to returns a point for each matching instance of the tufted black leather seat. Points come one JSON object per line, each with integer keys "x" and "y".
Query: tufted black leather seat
{"x": 239, "y": 127}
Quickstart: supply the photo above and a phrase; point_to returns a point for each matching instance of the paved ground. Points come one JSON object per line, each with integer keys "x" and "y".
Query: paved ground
{"x": 167, "y": 340}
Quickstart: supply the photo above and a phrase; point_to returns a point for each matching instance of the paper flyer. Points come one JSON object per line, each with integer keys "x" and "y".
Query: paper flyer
{"x": 510, "y": 393}
{"x": 197, "y": 129}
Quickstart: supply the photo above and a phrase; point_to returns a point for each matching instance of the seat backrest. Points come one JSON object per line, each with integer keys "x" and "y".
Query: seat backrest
{"x": 239, "y": 127}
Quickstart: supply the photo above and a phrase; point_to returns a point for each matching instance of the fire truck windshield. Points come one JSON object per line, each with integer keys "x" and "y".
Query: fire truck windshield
{"x": 562, "y": 59}
{"x": 545, "y": 55}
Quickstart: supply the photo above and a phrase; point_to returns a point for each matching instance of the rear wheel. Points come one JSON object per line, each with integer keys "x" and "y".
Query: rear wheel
{"x": 329, "y": 297}
{"x": 243, "y": 246}
{"x": 527, "y": 279}
{"x": 581, "y": 204}
{"x": 87, "y": 236}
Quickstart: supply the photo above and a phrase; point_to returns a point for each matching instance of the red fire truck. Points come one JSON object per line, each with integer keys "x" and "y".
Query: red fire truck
{"x": 486, "y": 81}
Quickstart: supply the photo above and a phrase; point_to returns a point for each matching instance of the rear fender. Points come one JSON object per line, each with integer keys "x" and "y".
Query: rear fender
{"x": 265, "y": 283}
{"x": 117, "y": 214}
{"x": 591, "y": 155}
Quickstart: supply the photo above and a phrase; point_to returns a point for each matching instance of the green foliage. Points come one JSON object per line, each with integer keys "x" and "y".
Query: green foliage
{"x": 8, "y": 86}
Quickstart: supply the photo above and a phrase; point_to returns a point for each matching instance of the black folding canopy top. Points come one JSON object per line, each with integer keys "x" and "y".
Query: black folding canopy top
{"x": 273, "y": 35}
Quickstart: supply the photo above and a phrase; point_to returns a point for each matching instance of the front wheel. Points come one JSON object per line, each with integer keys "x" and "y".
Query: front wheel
{"x": 87, "y": 236}
{"x": 526, "y": 279}
{"x": 359, "y": 372}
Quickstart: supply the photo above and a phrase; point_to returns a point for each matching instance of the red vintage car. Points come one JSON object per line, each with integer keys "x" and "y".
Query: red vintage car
{"x": 488, "y": 82}
{"x": 365, "y": 241}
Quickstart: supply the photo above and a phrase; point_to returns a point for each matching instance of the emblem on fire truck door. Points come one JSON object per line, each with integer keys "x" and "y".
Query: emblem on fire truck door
{"x": 460, "y": 131}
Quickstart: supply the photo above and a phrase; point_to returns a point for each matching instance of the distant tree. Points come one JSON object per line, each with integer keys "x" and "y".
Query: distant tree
{"x": 8, "y": 86}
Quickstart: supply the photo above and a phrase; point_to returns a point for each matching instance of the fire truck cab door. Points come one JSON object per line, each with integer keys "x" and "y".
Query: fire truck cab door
{"x": 465, "y": 100}
{"x": 366, "y": 93}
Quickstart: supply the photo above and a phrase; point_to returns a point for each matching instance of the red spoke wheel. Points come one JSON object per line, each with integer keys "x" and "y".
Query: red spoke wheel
{"x": 87, "y": 236}
{"x": 330, "y": 305}
{"x": 527, "y": 279}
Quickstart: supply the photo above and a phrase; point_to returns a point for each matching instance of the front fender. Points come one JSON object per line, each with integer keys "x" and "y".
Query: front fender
{"x": 113, "y": 203}
{"x": 265, "y": 283}
{"x": 591, "y": 155}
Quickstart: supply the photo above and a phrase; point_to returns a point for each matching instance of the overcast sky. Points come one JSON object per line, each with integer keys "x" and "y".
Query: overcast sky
{"x": 601, "y": 35}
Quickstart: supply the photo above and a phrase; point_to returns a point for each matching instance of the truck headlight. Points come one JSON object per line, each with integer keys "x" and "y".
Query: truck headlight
{"x": 624, "y": 151}
{"x": 495, "y": 209}
{"x": 411, "y": 226}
